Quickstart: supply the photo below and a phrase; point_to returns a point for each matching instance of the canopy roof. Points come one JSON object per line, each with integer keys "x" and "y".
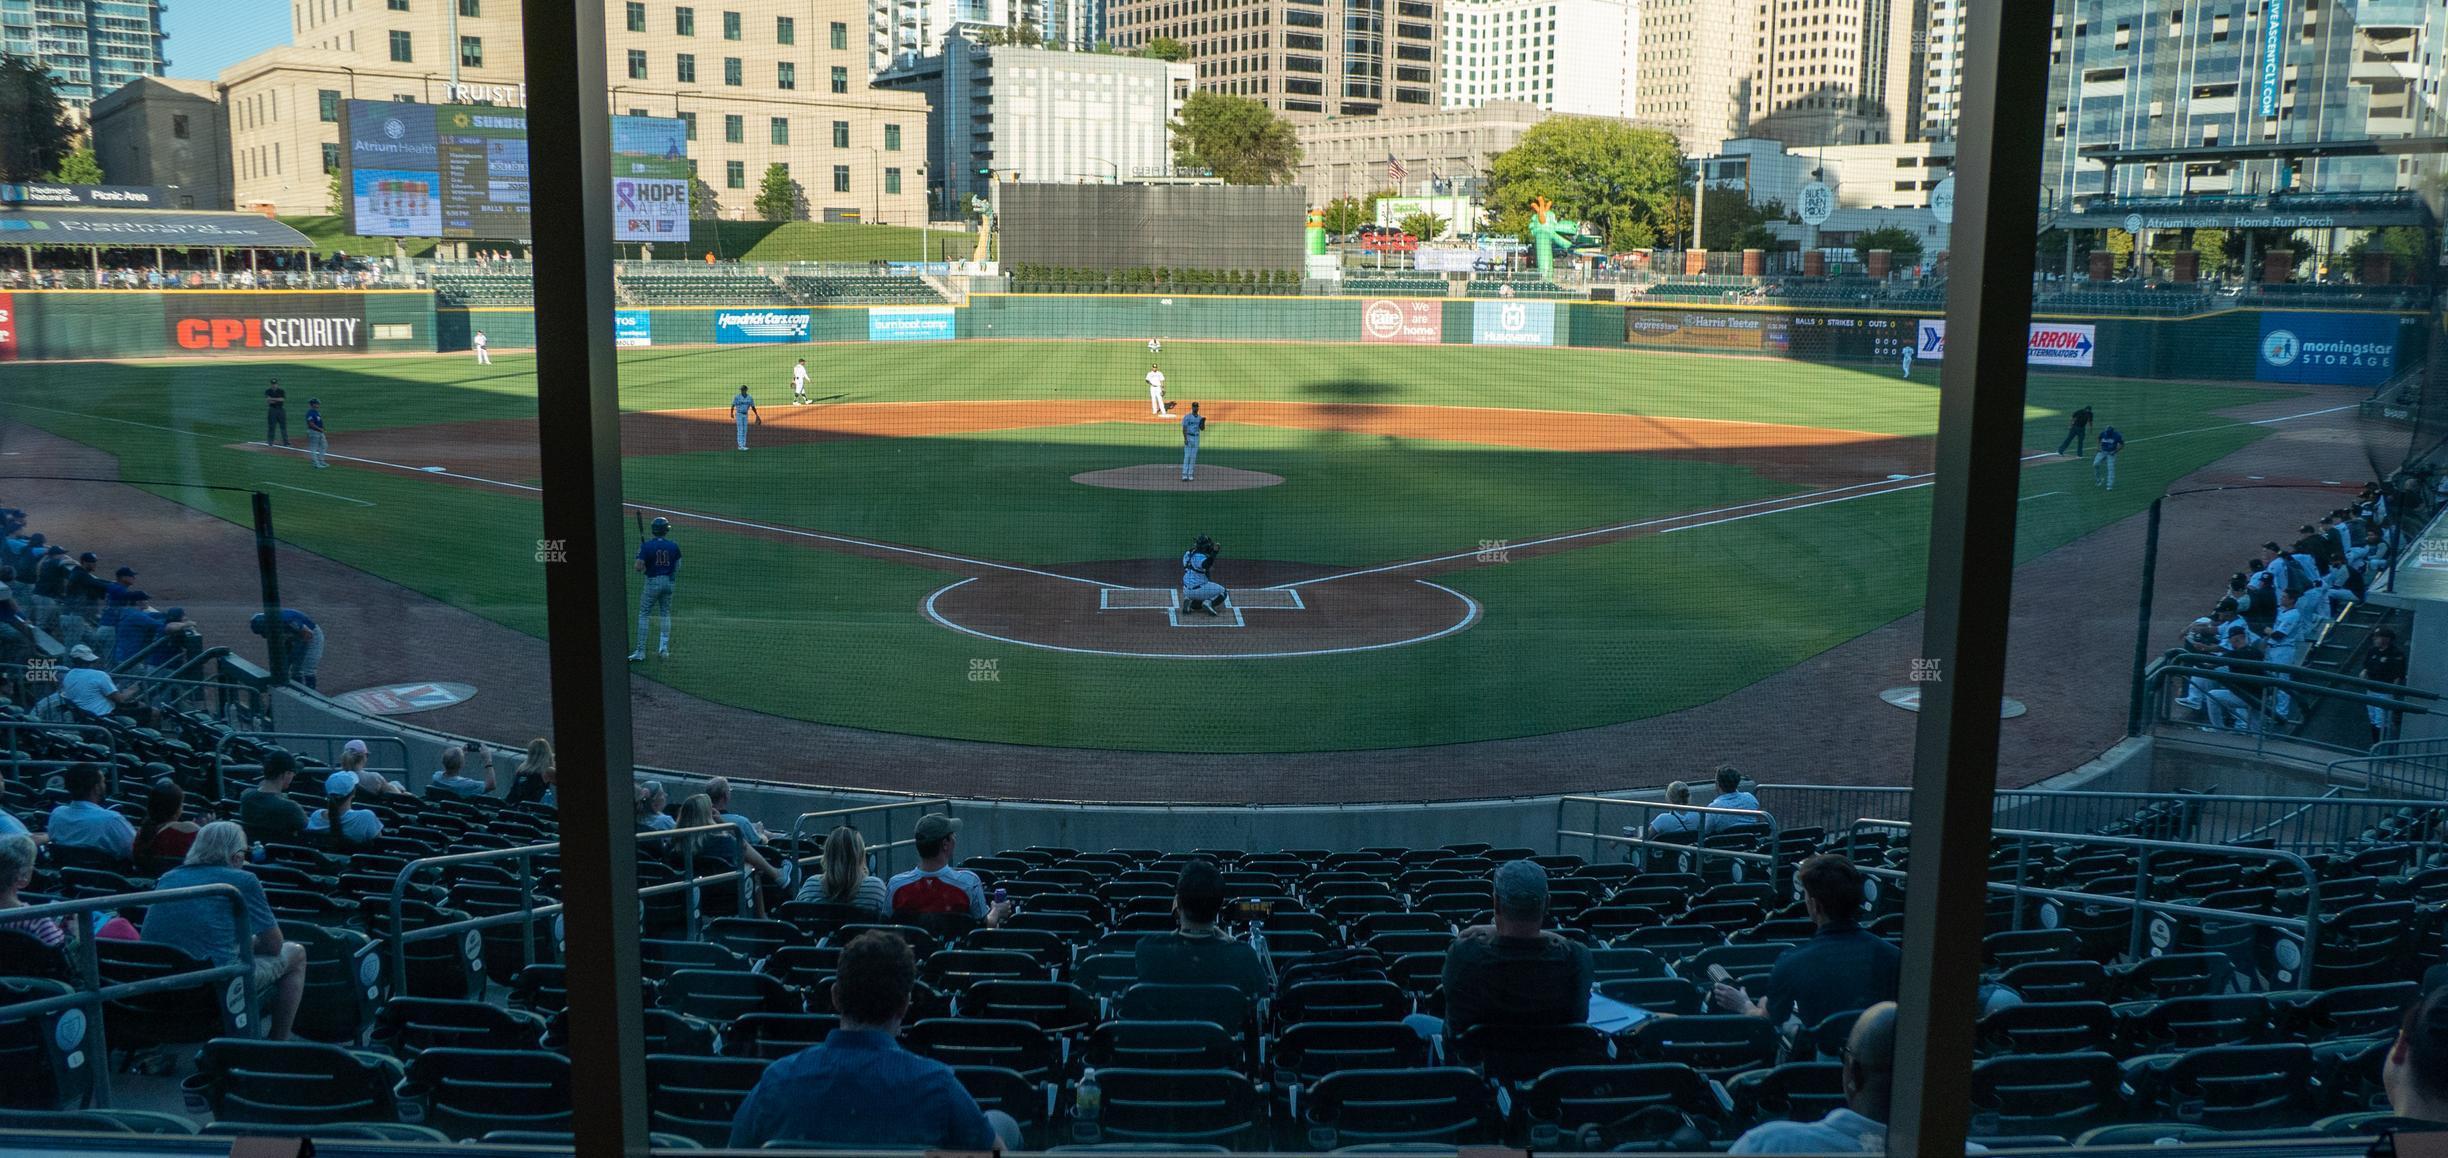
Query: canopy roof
{"x": 134, "y": 228}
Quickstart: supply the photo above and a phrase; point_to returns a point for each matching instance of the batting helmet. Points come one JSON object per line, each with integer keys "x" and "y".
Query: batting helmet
{"x": 659, "y": 526}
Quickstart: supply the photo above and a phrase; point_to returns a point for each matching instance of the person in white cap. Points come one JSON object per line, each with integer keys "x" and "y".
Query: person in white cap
{"x": 88, "y": 688}
{"x": 357, "y": 826}
{"x": 353, "y": 757}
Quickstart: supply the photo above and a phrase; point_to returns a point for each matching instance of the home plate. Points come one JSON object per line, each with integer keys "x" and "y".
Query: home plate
{"x": 1166, "y": 598}
{"x": 1909, "y": 699}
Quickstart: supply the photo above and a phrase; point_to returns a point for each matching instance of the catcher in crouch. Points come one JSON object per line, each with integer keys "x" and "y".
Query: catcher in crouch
{"x": 1199, "y": 589}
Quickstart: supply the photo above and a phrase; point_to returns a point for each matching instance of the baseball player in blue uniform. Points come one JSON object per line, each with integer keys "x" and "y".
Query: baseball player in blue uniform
{"x": 316, "y": 444}
{"x": 303, "y": 639}
{"x": 2103, "y": 464}
{"x": 1192, "y": 424}
{"x": 1199, "y": 588}
{"x": 742, "y": 407}
{"x": 659, "y": 559}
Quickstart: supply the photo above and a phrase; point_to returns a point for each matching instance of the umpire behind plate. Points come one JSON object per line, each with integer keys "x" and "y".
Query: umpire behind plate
{"x": 1199, "y": 588}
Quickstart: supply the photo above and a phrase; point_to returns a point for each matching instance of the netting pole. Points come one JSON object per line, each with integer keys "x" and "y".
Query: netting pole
{"x": 267, "y": 570}
{"x": 2142, "y": 628}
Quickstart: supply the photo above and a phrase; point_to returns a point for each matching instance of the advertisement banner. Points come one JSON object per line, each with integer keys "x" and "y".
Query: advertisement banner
{"x": 2273, "y": 55}
{"x": 632, "y": 327}
{"x": 8, "y": 327}
{"x": 2060, "y": 344}
{"x": 93, "y": 196}
{"x": 240, "y": 323}
{"x": 1503, "y": 323}
{"x": 1414, "y": 322}
{"x": 909, "y": 323}
{"x": 1428, "y": 260}
{"x": 760, "y": 327}
{"x": 1695, "y": 331}
{"x": 650, "y": 209}
{"x": 2328, "y": 349}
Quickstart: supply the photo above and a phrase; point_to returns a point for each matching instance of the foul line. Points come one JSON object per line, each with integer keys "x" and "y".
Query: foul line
{"x": 2041, "y": 495}
{"x": 305, "y": 490}
{"x": 1470, "y": 616}
{"x": 1781, "y": 504}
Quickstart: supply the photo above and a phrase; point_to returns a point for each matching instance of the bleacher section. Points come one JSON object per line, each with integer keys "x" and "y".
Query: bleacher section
{"x": 1521, "y": 285}
{"x": 2215, "y": 1028}
{"x": 702, "y": 289}
{"x": 875, "y": 289}
{"x": 482, "y": 289}
{"x": 2162, "y": 301}
{"x": 1402, "y": 286}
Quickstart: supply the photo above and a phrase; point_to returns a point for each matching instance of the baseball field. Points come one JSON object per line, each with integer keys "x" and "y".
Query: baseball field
{"x": 976, "y": 540}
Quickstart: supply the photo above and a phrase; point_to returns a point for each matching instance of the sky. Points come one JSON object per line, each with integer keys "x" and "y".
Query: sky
{"x": 207, "y": 36}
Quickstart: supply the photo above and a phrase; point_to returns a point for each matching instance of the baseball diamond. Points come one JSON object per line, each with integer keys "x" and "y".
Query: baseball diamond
{"x": 1423, "y": 545}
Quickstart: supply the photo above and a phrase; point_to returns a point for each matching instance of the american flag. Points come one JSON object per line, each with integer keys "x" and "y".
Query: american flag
{"x": 1394, "y": 169}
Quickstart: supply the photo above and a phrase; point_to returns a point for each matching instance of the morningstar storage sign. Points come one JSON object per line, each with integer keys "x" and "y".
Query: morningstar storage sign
{"x": 267, "y": 323}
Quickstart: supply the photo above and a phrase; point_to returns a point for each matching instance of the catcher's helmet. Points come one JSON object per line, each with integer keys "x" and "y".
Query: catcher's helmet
{"x": 659, "y": 526}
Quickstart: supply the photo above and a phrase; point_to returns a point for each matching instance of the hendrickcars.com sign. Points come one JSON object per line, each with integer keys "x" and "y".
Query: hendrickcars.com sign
{"x": 267, "y": 323}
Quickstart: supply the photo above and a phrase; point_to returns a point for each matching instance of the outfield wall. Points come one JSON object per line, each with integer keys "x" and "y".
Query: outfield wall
{"x": 2300, "y": 347}
{"x": 62, "y": 324}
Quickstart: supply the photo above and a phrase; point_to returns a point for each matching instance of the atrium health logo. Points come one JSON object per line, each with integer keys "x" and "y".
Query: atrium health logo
{"x": 2281, "y": 348}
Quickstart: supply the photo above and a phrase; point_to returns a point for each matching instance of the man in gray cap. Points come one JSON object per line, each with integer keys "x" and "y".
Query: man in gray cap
{"x": 1513, "y": 972}
{"x": 935, "y": 887}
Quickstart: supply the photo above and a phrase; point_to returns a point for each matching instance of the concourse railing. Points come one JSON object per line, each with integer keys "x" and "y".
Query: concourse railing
{"x": 324, "y": 747}
{"x": 1730, "y": 826}
{"x": 808, "y": 831}
{"x": 2258, "y": 682}
{"x": 17, "y": 762}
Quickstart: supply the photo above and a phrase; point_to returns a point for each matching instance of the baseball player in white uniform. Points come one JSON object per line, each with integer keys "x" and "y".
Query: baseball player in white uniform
{"x": 1908, "y": 358}
{"x": 1155, "y": 346}
{"x": 1156, "y": 398}
{"x": 1200, "y": 591}
{"x": 742, "y": 406}
{"x": 483, "y": 358}
{"x": 799, "y": 383}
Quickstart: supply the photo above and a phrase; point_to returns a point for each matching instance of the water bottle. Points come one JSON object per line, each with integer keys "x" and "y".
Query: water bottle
{"x": 255, "y": 852}
{"x": 1088, "y": 1105}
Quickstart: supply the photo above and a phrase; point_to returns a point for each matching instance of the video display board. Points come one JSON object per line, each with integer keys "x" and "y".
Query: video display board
{"x": 460, "y": 171}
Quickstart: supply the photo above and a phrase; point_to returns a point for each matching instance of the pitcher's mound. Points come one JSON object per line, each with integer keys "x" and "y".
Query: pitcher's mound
{"x": 1161, "y": 477}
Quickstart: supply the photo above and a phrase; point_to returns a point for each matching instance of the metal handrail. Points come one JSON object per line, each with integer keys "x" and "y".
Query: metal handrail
{"x": 2308, "y": 925}
{"x": 800, "y": 856}
{"x": 2243, "y": 674}
{"x": 17, "y": 760}
{"x": 332, "y": 743}
{"x": 88, "y": 973}
{"x": 528, "y": 912}
{"x": 1699, "y": 843}
{"x": 2092, "y": 808}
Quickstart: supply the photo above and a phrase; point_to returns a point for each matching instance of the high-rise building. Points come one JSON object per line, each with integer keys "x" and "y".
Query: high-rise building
{"x": 1029, "y": 114}
{"x": 2136, "y": 74}
{"x": 1305, "y": 58}
{"x": 758, "y": 83}
{"x": 1835, "y": 72}
{"x": 1567, "y": 56}
{"x": 90, "y": 46}
{"x": 1693, "y": 68}
{"x": 1441, "y": 152}
{"x": 901, "y": 31}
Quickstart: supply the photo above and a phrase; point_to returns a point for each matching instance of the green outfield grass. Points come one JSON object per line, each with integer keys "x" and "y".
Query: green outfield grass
{"x": 1610, "y": 633}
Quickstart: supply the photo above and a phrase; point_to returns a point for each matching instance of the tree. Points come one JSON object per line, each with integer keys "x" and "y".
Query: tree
{"x": 704, "y": 203}
{"x": 777, "y": 196}
{"x": 1895, "y": 239}
{"x": 336, "y": 192}
{"x": 1734, "y": 223}
{"x": 1165, "y": 48}
{"x": 1241, "y": 139}
{"x": 1423, "y": 225}
{"x": 1348, "y": 214}
{"x": 2120, "y": 246}
{"x": 2404, "y": 244}
{"x": 1603, "y": 173}
{"x": 34, "y": 132}
{"x": 2211, "y": 244}
{"x": 79, "y": 167}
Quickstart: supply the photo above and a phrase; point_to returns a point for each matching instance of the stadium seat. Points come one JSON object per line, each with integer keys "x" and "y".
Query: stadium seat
{"x": 2049, "y": 1027}
{"x": 1340, "y": 1001}
{"x": 1053, "y": 1006}
{"x": 97, "y": 1121}
{"x": 1013, "y": 1093}
{"x": 1304, "y": 1053}
{"x": 1606, "y": 1106}
{"x": 718, "y": 995}
{"x": 1178, "y": 1045}
{"x": 294, "y": 1082}
{"x": 1802, "y": 1091}
{"x": 1222, "y": 1005}
{"x": 1519, "y": 1053}
{"x": 1718, "y": 1045}
{"x": 1179, "y": 1106}
{"x": 2181, "y": 1023}
{"x": 407, "y": 1026}
{"x": 345, "y": 981}
{"x": 1448, "y": 1105}
{"x": 2057, "y": 980}
{"x": 953, "y": 970}
{"x": 773, "y": 1036}
{"x": 1655, "y": 994}
{"x": 171, "y": 1016}
{"x": 1001, "y": 1043}
{"x": 2062, "y": 1094}
{"x": 2229, "y": 1087}
{"x": 802, "y": 966}
{"x": 697, "y": 1097}
{"x": 45, "y": 1073}
{"x": 467, "y": 1093}
{"x": 327, "y": 1131}
{"x": 754, "y": 938}
{"x": 2346, "y": 1012}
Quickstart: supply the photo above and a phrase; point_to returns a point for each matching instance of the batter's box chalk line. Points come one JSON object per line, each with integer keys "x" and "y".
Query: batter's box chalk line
{"x": 1165, "y": 599}
{"x": 1181, "y": 618}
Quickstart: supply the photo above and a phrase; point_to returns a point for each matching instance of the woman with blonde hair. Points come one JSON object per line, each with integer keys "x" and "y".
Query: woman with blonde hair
{"x": 532, "y": 778}
{"x": 846, "y": 880}
{"x": 723, "y": 848}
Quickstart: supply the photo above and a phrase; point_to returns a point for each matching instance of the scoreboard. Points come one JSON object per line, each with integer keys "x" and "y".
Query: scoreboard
{"x": 460, "y": 171}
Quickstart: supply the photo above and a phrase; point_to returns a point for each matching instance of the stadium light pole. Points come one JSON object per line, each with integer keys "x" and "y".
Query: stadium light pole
{"x": 1971, "y": 571}
{"x": 578, "y": 421}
